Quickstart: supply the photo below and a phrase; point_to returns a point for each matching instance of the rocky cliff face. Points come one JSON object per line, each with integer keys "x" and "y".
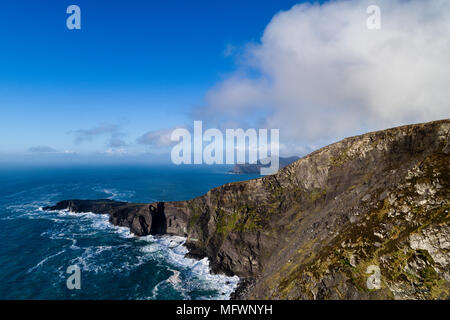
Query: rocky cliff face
{"x": 364, "y": 218}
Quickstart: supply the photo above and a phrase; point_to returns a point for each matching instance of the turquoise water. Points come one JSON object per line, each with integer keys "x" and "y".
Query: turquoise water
{"x": 36, "y": 247}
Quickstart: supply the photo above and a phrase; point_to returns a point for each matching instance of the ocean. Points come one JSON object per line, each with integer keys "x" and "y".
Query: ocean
{"x": 37, "y": 247}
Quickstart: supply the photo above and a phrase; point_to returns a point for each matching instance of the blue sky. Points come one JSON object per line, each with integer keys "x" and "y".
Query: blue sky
{"x": 140, "y": 65}
{"x": 138, "y": 69}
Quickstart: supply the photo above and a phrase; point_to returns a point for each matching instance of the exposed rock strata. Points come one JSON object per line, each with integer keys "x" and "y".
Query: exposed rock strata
{"x": 312, "y": 230}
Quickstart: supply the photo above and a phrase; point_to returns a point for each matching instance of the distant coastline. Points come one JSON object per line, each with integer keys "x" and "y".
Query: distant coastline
{"x": 246, "y": 168}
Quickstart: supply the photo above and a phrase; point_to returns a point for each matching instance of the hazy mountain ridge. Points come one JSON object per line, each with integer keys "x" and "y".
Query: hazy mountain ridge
{"x": 247, "y": 168}
{"x": 311, "y": 230}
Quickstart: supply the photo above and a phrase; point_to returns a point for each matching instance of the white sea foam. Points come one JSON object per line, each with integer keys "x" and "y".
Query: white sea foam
{"x": 168, "y": 248}
{"x": 188, "y": 275}
{"x": 173, "y": 250}
{"x": 114, "y": 194}
{"x": 41, "y": 263}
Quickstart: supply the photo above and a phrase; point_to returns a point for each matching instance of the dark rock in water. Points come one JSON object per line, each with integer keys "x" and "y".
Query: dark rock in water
{"x": 243, "y": 288}
{"x": 364, "y": 218}
{"x": 247, "y": 168}
{"x": 142, "y": 219}
{"x": 101, "y": 206}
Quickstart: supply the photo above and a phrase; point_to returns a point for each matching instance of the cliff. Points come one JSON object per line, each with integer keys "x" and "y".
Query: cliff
{"x": 318, "y": 228}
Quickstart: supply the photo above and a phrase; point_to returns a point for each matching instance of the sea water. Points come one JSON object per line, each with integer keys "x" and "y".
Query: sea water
{"x": 37, "y": 247}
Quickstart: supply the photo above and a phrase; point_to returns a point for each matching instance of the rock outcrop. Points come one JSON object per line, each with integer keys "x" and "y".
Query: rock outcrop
{"x": 364, "y": 218}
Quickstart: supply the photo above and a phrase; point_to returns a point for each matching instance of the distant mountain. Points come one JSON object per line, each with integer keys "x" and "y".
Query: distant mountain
{"x": 256, "y": 168}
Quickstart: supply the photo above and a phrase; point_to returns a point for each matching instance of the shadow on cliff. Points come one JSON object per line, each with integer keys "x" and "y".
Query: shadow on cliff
{"x": 159, "y": 221}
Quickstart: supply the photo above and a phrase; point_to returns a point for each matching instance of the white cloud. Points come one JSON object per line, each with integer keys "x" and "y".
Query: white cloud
{"x": 159, "y": 138}
{"x": 237, "y": 94}
{"x": 49, "y": 150}
{"x": 324, "y": 75}
{"x": 116, "y": 151}
{"x": 112, "y": 131}
{"x": 42, "y": 149}
{"x": 229, "y": 50}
